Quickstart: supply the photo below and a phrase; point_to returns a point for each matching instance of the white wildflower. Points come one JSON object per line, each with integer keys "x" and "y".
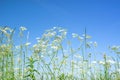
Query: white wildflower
{"x": 94, "y": 62}
{"x": 74, "y": 35}
{"x": 19, "y": 60}
{"x": 43, "y": 46}
{"x": 54, "y": 47}
{"x": 3, "y": 30}
{"x": 101, "y": 62}
{"x": 76, "y": 66}
{"x": 95, "y": 44}
{"x": 61, "y": 30}
{"x": 35, "y": 45}
{"x": 111, "y": 61}
{"x": 27, "y": 44}
{"x": 64, "y": 33}
{"x": 80, "y": 38}
{"x": 59, "y": 37}
{"x": 56, "y": 41}
{"x": 64, "y": 62}
{"x": 17, "y": 47}
{"x": 49, "y": 34}
{"x": 23, "y": 28}
{"x": 118, "y": 70}
{"x": 73, "y": 61}
{"x": 87, "y": 36}
{"x": 3, "y": 46}
{"x": 56, "y": 58}
{"x": 53, "y": 33}
{"x": 78, "y": 56}
{"x": 8, "y": 29}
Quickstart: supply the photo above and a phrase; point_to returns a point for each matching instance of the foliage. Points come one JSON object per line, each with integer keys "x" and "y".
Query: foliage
{"x": 55, "y": 56}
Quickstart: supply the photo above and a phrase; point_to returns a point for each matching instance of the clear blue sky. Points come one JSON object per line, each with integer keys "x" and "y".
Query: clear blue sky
{"x": 100, "y": 17}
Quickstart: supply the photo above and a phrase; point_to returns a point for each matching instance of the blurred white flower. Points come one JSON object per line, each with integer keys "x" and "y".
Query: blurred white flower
{"x": 54, "y": 47}
{"x": 101, "y": 62}
{"x": 115, "y": 48}
{"x": 56, "y": 58}
{"x": 118, "y": 70}
{"x": 43, "y": 46}
{"x": 59, "y": 37}
{"x": 27, "y": 44}
{"x": 64, "y": 33}
{"x": 74, "y": 35}
{"x": 23, "y": 28}
{"x": 110, "y": 61}
{"x": 95, "y": 44}
{"x": 53, "y": 33}
{"x": 5, "y": 32}
{"x": 17, "y": 47}
{"x": 78, "y": 56}
{"x": 76, "y": 66}
{"x": 49, "y": 34}
{"x": 3, "y": 46}
{"x": 94, "y": 62}
{"x": 19, "y": 60}
{"x": 64, "y": 62}
{"x": 62, "y": 30}
{"x": 35, "y": 45}
{"x": 9, "y": 29}
{"x": 73, "y": 61}
{"x": 80, "y": 38}
{"x": 56, "y": 41}
{"x": 87, "y": 36}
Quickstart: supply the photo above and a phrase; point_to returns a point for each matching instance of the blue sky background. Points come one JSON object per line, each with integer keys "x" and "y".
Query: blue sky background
{"x": 100, "y": 17}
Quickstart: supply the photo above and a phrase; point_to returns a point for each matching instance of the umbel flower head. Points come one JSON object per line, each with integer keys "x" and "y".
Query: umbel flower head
{"x": 23, "y": 28}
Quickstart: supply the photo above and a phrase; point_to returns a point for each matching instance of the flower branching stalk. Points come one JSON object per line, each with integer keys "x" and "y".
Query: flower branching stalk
{"x": 6, "y": 53}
